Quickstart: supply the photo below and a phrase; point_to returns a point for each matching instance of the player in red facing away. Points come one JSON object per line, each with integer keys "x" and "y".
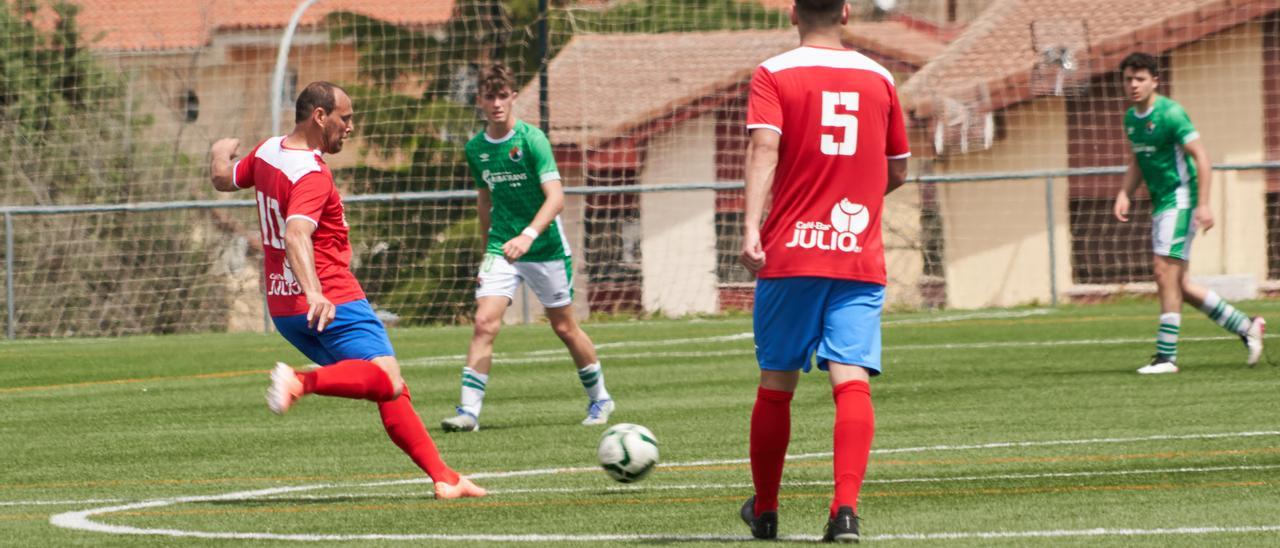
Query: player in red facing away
{"x": 828, "y": 139}
{"x": 314, "y": 300}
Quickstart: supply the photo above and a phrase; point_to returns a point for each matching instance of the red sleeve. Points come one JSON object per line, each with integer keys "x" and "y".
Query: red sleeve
{"x": 242, "y": 172}
{"x": 308, "y": 196}
{"x": 896, "y": 146}
{"x": 764, "y": 108}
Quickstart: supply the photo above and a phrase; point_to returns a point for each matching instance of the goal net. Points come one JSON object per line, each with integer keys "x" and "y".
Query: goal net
{"x": 1015, "y": 109}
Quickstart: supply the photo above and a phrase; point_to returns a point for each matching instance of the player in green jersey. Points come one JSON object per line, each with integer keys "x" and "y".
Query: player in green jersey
{"x": 1170, "y": 156}
{"x": 520, "y": 199}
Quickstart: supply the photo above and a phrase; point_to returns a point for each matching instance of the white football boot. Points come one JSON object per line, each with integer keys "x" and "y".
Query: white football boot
{"x": 598, "y": 412}
{"x": 1158, "y": 366}
{"x": 1253, "y": 339}
{"x": 462, "y": 422}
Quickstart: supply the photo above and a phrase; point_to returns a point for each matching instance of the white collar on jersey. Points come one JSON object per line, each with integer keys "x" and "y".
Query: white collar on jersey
{"x": 504, "y": 138}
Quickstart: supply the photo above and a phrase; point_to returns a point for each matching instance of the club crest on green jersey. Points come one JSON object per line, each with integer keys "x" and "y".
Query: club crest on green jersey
{"x": 1151, "y": 127}
{"x": 515, "y": 153}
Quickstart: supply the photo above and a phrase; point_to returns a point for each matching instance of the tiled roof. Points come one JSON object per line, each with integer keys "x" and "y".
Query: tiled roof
{"x": 994, "y": 60}
{"x": 157, "y": 25}
{"x": 603, "y": 85}
{"x": 896, "y": 40}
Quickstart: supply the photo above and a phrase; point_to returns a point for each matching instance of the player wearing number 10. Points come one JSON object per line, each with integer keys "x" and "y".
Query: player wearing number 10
{"x": 314, "y": 300}
{"x": 828, "y": 138}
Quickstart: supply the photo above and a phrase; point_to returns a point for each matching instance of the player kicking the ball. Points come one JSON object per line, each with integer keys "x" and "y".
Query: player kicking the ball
{"x": 828, "y": 138}
{"x": 314, "y": 300}
{"x": 1163, "y": 140}
{"x": 519, "y": 207}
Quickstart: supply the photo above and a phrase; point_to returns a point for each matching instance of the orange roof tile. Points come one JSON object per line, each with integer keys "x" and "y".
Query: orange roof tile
{"x": 994, "y": 60}
{"x": 186, "y": 24}
{"x": 894, "y": 39}
{"x": 604, "y": 85}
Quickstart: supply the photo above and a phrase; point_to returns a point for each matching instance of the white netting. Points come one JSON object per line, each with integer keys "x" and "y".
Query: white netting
{"x": 117, "y": 102}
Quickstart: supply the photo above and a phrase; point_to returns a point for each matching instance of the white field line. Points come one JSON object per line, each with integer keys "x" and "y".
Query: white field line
{"x": 941, "y": 317}
{"x": 561, "y": 355}
{"x": 822, "y": 483}
{"x": 971, "y": 316}
{"x": 560, "y": 352}
{"x": 693, "y": 486}
{"x": 80, "y": 520}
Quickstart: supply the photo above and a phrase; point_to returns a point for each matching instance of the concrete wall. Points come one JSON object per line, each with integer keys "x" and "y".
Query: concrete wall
{"x": 232, "y": 79}
{"x": 1233, "y": 131}
{"x": 678, "y": 248}
{"x": 995, "y": 234}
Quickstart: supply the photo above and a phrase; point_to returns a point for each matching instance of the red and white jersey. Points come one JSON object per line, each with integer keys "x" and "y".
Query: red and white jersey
{"x": 840, "y": 121}
{"x": 291, "y": 184}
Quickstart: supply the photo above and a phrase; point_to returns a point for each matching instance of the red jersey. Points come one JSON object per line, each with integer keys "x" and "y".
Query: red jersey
{"x": 840, "y": 121}
{"x": 296, "y": 184}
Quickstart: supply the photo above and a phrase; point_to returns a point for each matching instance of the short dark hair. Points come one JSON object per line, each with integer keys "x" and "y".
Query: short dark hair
{"x": 1141, "y": 61}
{"x": 316, "y": 94}
{"x": 819, "y": 12}
{"x": 495, "y": 77}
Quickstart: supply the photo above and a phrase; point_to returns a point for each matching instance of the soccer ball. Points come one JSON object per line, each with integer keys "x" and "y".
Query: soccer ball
{"x": 628, "y": 452}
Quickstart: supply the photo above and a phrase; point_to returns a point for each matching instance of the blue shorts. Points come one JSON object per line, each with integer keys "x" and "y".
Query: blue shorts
{"x": 355, "y": 334}
{"x": 838, "y": 320}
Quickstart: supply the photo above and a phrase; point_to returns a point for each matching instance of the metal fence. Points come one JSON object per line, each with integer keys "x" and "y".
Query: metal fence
{"x": 1049, "y": 177}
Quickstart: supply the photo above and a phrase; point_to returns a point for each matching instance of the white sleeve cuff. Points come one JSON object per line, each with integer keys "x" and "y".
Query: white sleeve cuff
{"x": 1191, "y": 137}
{"x": 900, "y": 156}
{"x": 550, "y": 176}
{"x": 308, "y": 219}
{"x": 764, "y": 126}
{"x": 234, "y": 168}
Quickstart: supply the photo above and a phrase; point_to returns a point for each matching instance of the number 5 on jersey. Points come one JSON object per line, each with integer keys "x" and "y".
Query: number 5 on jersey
{"x": 831, "y": 118}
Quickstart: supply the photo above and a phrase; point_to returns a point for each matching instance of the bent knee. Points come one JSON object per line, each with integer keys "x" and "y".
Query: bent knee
{"x": 565, "y": 330}
{"x": 488, "y": 327}
{"x": 391, "y": 368}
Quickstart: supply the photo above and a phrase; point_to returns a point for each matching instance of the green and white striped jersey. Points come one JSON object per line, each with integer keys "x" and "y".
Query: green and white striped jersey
{"x": 1157, "y": 138}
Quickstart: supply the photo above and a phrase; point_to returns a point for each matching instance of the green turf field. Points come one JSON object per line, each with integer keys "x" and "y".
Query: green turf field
{"x": 1004, "y": 428}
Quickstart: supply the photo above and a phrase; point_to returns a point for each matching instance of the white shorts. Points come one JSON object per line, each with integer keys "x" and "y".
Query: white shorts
{"x": 1171, "y": 233}
{"x": 551, "y": 281}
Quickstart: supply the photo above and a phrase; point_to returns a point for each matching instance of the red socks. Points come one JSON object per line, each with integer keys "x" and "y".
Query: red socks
{"x": 406, "y": 430}
{"x": 855, "y": 427}
{"x": 770, "y": 434}
{"x": 354, "y": 379}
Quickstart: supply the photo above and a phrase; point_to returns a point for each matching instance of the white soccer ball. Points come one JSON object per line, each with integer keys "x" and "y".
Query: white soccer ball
{"x": 847, "y": 216}
{"x": 628, "y": 452}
